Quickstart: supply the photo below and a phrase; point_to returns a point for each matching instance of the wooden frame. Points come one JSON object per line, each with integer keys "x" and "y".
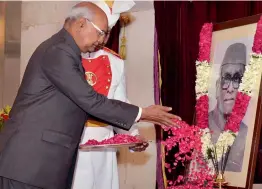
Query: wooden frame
{"x": 258, "y": 118}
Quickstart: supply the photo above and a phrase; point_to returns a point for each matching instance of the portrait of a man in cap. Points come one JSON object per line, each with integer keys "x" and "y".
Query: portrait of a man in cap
{"x": 230, "y": 74}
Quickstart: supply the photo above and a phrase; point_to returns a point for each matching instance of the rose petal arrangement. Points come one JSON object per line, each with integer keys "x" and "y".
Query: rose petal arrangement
{"x": 188, "y": 139}
{"x": 116, "y": 139}
{"x": 195, "y": 141}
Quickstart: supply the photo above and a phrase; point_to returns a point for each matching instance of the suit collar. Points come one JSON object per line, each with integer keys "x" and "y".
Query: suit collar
{"x": 70, "y": 41}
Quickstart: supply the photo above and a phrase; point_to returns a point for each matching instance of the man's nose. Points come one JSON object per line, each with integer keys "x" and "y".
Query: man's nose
{"x": 230, "y": 88}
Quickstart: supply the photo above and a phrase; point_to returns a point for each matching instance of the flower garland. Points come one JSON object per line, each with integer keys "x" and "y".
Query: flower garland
{"x": 250, "y": 77}
{"x": 194, "y": 141}
{"x": 4, "y": 116}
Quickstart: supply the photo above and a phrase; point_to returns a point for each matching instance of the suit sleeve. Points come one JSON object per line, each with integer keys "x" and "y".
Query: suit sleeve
{"x": 62, "y": 69}
{"x": 120, "y": 94}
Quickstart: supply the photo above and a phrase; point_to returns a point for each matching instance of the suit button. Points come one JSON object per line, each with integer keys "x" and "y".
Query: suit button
{"x": 108, "y": 80}
{"x": 103, "y": 57}
{"x": 107, "y": 87}
{"x": 109, "y": 73}
{"x": 89, "y": 61}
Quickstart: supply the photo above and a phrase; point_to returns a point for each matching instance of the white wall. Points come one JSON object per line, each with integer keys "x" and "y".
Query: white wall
{"x": 10, "y": 60}
{"x": 40, "y": 20}
{"x": 138, "y": 170}
{"x": 11, "y": 79}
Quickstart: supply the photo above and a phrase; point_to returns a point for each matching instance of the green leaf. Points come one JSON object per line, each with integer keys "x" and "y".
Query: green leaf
{"x": 232, "y": 133}
{"x": 7, "y": 109}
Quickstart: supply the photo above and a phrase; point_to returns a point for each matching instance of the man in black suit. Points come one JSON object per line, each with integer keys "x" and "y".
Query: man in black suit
{"x": 39, "y": 140}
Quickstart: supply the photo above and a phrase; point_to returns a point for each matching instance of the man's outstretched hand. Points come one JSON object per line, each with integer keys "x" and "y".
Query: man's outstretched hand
{"x": 158, "y": 115}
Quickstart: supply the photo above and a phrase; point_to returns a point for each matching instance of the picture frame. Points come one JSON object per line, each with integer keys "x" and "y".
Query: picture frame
{"x": 224, "y": 34}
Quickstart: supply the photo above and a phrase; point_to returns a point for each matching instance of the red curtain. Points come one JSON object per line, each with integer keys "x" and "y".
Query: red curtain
{"x": 113, "y": 42}
{"x": 178, "y": 25}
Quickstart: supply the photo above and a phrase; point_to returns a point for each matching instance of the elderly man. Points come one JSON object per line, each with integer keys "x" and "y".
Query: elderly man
{"x": 54, "y": 100}
{"x": 231, "y": 72}
{"x": 101, "y": 166}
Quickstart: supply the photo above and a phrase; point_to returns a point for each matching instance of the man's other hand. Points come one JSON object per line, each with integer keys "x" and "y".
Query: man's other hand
{"x": 140, "y": 147}
{"x": 158, "y": 115}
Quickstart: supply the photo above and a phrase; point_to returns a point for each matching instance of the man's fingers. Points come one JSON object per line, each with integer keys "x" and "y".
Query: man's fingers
{"x": 179, "y": 118}
{"x": 155, "y": 122}
{"x": 163, "y": 108}
{"x": 168, "y": 115}
{"x": 169, "y": 122}
{"x": 167, "y": 109}
{"x": 140, "y": 147}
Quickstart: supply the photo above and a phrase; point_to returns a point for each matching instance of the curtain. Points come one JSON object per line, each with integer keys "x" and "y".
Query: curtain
{"x": 178, "y": 25}
{"x": 113, "y": 41}
{"x": 157, "y": 87}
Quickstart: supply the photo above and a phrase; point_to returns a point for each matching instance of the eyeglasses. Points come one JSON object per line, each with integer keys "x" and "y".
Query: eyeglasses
{"x": 101, "y": 33}
{"x": 226, "y": 80}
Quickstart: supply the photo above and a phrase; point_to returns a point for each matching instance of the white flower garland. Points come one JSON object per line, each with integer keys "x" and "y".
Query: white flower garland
{"x": 252, "y": 74}
{"x": 203, "y": 72}
{"x": 250, "y": 77}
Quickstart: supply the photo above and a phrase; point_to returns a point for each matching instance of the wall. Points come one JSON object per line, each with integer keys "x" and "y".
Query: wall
{"x": 139, "y": 73}
{"x": 11, "y": 79}
{"x": 2, "y": 41}
{"x": 40, "y": 20}
{"x": 10, "y": 36}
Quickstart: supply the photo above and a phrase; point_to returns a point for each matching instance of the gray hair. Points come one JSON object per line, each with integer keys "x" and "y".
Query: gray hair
{"x": 78, "y": 12}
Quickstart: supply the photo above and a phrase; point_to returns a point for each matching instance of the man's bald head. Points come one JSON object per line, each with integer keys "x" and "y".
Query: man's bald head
{"x": 87, "y": 23}
{"x": 88, "y": 10}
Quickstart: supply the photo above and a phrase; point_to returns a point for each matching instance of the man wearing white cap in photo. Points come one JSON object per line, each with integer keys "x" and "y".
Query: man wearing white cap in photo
{"x": 105, "y": 72}
{"x": 231, "y": 73}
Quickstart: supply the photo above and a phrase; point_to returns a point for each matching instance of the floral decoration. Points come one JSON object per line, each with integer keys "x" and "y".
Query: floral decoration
{"x": 4, "y": 116}
{"x": 250, "y": 77}
{"x": 195, "y": 141}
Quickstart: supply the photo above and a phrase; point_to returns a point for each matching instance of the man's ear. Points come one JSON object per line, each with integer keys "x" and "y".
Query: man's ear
{"x": 81, "y": 22}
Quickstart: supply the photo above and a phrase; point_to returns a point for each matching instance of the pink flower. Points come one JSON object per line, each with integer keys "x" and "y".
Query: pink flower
{"x": 257, "y": 45}
{"x": 116, "y": 139}
{"x": 188, "y": 139}
{"x": 205, "y": 42}
{"x": 202, "y": 112}
{"x": 238, "y": 112}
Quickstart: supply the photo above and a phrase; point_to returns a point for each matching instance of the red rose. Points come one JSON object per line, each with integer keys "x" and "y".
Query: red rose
{"x": 238, "y": 112}
{"x": 202, "y": 112}
{"x": 257, "y": 45}
{"x": 4, "y": 116}
{"x": 205, "y": 42}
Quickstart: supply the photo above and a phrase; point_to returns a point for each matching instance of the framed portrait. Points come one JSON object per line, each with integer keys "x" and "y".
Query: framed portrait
{"x": 232, "y": 43}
